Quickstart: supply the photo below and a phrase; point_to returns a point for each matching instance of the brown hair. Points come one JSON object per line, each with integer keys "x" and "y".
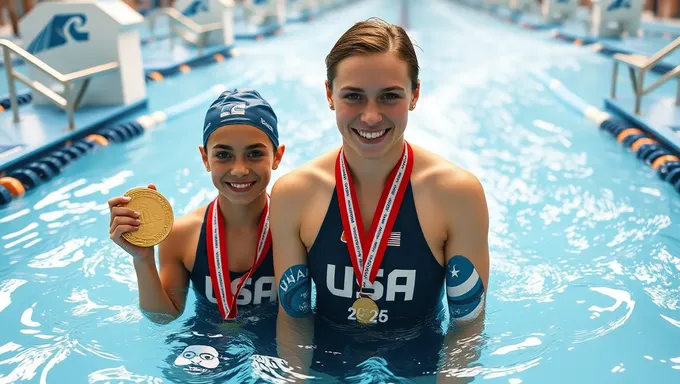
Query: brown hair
{"x": 373, "y": 36}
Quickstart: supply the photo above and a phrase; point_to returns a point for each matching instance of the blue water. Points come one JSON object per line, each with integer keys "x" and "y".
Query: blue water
{"x": 585, "y": 251}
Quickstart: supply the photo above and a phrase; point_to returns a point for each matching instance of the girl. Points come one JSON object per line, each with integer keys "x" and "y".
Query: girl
{"x": 222, "y": 248}
{"x": 385, "y": 229}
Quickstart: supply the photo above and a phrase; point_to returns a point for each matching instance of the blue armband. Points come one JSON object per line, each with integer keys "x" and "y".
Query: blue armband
{"x": 464, "y": 290}
{"x": 295, "y": 291}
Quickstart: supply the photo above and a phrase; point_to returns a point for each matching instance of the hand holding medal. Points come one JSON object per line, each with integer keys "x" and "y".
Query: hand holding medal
{"x": 140, "y": 219}
{"x": 155, "y": 216}
{"x": 367, "y": 253}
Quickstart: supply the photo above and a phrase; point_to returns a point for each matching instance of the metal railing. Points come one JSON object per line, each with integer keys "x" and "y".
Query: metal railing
{"x": 73, "y": 92}
{"x": 194, "y": 33}
{"x": 644, "y": 64}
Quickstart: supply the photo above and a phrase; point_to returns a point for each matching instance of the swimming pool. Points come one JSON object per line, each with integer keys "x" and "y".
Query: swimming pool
{"x": 584, "y": 237}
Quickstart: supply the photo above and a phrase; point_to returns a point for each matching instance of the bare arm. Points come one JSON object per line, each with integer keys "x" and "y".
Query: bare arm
{"x": 161, "y": 298}
{"x": 162, "y": 294}
{"x": 462, "y": 347}
{"x": 467, "y": 247}
{"x": 467, "y": 275}
{"x": 295, "y": 321}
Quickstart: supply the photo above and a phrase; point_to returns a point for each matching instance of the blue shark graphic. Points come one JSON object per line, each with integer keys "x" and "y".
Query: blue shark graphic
{"x": 618, "y": 4}
{"x": 196, "y": 7}
{"x": 563, "y": 1}
{"x": 59, "y": 31}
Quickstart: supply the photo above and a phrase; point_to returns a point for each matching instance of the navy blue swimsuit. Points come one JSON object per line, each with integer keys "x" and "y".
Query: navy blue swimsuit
{"x": 258, "y": 289}
{"x": 409, "y": 291}
{"x": 253, "y": 331}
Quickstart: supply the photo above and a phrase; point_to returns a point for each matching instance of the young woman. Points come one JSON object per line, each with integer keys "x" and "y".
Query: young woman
{"x": 226, "y": 243}
{"x": 385, "y": 229}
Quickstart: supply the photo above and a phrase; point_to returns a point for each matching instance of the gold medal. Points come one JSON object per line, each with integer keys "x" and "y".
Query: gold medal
{"x": 155, "y": 215}
{"x": 366, "y": 310}
{"x": 366, "y": 252}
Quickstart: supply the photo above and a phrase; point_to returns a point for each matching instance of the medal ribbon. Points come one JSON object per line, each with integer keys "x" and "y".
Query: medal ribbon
{"x": 218, "y": 260}
{"x": 367, "y": 253}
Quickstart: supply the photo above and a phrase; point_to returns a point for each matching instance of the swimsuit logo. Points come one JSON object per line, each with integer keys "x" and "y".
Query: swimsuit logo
{"x": 59, "y": 31}
{"x": 250, "y": 293}
{"x": 266, "y": 124}
{"x": 399, "y": 283}
{"x": 237, "y": 109}
{"x": 393, "y": 241}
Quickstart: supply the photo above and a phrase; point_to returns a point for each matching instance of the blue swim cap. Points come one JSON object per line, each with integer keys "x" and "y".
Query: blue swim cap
{"x": 241, "y": 106}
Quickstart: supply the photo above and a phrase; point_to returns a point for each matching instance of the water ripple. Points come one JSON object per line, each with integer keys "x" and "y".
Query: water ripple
{"x": 29, "y": 360}
{"x": 59, "y": 195}
{"x": 120, "y": 375}
{"x": 374, "y": 370}
{"x": 491, "y": 372}
{"x": 672, "y": 321}
{"x": 124, "y": 314}
{"x": 528, "y": 342}
{"x": 63, "y": 255}
{"x": 536, "y": 283}
{"x": 621, "y": 297}
{"x": 8, "y": 287}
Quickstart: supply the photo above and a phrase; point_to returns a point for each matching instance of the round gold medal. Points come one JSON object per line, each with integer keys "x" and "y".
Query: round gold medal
{"x": 366, "y": 310}
{"x": 155, "y": 215}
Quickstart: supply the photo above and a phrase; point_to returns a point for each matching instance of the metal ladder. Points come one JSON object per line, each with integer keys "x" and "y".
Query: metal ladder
{"x": 197, "y": 34}
{"x": 74, "y": 83}
{"x": 639, "y": 65}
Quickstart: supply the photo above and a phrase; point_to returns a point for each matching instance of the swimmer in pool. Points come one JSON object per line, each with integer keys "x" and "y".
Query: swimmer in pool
{"x": 385, "y": 229}
{"x": 227, "y": 242}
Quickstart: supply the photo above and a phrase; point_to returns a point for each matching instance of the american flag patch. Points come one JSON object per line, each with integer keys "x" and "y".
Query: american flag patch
{"x": 393, "y": 241}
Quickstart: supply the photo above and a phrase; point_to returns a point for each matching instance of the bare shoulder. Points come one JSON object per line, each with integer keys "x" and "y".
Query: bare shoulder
{"x": 181, "y": 242}
{"x": 188, "y": 224}
{"x": 446, "y": 183}
{"x": 294, "y": 190}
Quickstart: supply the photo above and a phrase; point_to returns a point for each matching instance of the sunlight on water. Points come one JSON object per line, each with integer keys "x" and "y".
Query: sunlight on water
{"x": 585, "y": 252}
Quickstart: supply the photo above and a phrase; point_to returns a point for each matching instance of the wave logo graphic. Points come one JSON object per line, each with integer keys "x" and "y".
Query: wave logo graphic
{"x": 196, "y": 7}
{"x": 618, "y": 4}
{"x": 61, "y": 30}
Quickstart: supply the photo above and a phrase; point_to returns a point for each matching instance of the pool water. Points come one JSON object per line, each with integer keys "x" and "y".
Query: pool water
{"x": 584, "y": 238}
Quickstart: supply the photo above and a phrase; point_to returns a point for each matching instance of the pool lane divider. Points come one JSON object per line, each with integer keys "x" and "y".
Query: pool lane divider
{"x": 18, "y": 181}
{"x": 592, "y": 43}
{"x": 157, "y": 75}
{"x": 654, "y": 150}
{"x": 663, "y": 159}
{"x": 28, "y": 177}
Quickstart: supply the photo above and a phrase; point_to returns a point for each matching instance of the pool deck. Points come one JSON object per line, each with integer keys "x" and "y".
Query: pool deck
{"x": 643, "y": 45}
{"x": 242, "y": 31}
{"x": 661, "y": 27}
{"x": 659, "y": 116}
{"x": 166, "y": 58}
{"x": 44, "y": 128}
